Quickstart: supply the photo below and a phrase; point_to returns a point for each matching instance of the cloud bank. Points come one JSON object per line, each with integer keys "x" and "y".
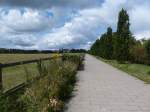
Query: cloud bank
{"x": 67, "y": 23}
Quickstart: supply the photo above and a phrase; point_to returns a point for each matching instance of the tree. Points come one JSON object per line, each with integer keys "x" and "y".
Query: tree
{"x": 109, "y": 44}
{"x": 147, "y": 48}
{"x": 95, "y": 48}
{"x": 138, "y": 52}
{"x": 124, "y": 37}
{"x": 102, "y": 46}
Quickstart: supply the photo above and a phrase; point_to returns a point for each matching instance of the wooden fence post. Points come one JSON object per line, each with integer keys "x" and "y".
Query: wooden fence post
{"x": 39, "y": 64}
{"x": 1, "y": 80}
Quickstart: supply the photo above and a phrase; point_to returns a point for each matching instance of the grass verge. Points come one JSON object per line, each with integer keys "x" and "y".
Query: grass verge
{"x": 139, "y": 71}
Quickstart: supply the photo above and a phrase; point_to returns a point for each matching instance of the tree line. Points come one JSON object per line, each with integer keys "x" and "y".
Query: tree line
{"x": 22, "y": 51}
{"x": 121, "y": 45}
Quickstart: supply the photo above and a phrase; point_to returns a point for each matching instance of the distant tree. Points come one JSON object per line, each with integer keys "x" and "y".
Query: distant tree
{"x": 114, "y": 40}
{"x": 95, "y": 48}
{"x": 147, "y": 48}
{"x": 124, "y": 37}
{"x": 78, "y": 51}
{"x": 109, "y": 43}
{"x": 102, "y": 48}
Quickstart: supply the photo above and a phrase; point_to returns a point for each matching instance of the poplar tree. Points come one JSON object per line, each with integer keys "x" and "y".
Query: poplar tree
{"x": 109, "y": 44}
{"x": 102, "y": 46}
{"x": 95, "y": 48}
{"x": 124, "y": 37}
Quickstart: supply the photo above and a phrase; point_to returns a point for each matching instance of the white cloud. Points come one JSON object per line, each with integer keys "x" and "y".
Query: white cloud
{"x": 69, "y": 26}
{"x": 83, "y": 28}
{"x": 143, "y": 34}
{"x": 140, "y": 19}
{"x": 76, "y": 33}
{"x": 21, "y": 29}
{"x": 29, "y": 20}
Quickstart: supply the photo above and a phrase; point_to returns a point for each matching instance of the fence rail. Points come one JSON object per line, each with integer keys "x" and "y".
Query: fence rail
{"x": 14, "y": 89}
{"x": 15, "y": 64}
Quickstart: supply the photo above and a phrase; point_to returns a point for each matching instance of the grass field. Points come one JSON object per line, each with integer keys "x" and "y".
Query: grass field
{"x": 8, "y": 58}
{"x": 12, "y": 76}
{"x": 140, "y": 71}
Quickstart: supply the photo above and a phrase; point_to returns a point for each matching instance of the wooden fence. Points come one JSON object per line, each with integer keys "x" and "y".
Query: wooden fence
{"x": 2, "y": 66}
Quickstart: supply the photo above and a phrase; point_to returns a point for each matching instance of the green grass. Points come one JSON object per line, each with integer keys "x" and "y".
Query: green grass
{"x": 8, "y": 58}
{"x": 12, "y": 76}
{"x": 140, "y": 71}
{"x": 16, "y": 75}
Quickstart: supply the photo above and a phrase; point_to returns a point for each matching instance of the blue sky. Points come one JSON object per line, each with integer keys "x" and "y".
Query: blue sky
{"x": 54, "y": 24}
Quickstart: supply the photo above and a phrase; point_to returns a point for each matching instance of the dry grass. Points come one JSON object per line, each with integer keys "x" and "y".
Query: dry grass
{"x": 8, "y": 58}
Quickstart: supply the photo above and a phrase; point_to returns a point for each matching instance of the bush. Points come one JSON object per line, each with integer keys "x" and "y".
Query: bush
{"x": 11, "y": 102}
{"x": 49, "y": 93}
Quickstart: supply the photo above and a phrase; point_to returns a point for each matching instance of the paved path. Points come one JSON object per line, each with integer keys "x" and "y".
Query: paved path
{"x": 102, "y": 88}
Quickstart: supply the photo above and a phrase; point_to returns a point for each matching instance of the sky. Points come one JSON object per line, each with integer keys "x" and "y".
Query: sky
{"x": 56, "y": 24}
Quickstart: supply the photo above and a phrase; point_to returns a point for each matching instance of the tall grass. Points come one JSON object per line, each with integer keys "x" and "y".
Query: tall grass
{"x": 49, "y": 92}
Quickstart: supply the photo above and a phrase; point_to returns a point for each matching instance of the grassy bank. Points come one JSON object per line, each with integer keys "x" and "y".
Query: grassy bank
{"x": 140, "y": 71}
{"x": 50, "y": 92}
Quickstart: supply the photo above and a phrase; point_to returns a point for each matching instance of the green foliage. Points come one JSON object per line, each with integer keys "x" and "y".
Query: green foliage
{"x": 10, "y": 103}
{"x": 140, "y": 71}
{"x": 138, "y": 53}
{"x": 109, "y": 44}
{"x": 75, "y": 58}
{"x": 115, "y": 45}
{"x": 42, "y": 68}
{"x": 121, "y": 45}
{"x": 124, "y": 37}
{"x": 147, "y": 48}
{"x": 103, "y": 47}
{"x": 49, "y": 93}
{"x": 94, "y": 48}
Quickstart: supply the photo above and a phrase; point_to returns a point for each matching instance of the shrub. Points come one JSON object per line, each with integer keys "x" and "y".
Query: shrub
{"x": 10, "y": 103}
{"x": 49, "y": 93}
{"x": 56, "y": 55}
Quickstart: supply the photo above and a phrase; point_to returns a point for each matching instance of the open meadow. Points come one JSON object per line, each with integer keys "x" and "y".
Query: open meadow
{"x": 8, "y": 58}
{"x": 15, "y": 75}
